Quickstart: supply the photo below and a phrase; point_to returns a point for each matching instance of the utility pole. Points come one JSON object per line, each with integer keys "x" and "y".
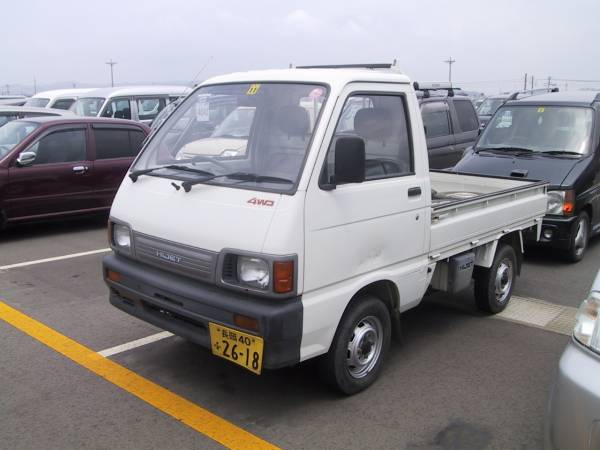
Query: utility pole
{"x": 549, "y": 78}
{"x": 450, "y": 61}
{"x": 34, "y": 86}
{"x": 7, "y": 89}
{"x": 111, "y": 63}
{"x": 525, "y": 83}
{"x": 532, "y": 82}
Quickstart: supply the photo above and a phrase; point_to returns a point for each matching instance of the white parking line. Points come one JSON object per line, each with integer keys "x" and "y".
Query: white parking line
{"x": 539, "y": 314}
{"x": 56, "y": 258}
{"x": 134, "y": 344}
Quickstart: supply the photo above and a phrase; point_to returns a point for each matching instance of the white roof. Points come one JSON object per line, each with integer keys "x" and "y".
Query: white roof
{"x": 333, "y": 77}
{"x": 136, "y": 90}
{"x": 55, "y": 93}
{"x": 34, "y": 110}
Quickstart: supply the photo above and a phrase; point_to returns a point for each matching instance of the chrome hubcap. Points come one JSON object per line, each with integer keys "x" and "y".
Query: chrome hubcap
{"x": 364, "y": 346}
{"x": 504, "y": 279}
{"x": 580, "y": 237}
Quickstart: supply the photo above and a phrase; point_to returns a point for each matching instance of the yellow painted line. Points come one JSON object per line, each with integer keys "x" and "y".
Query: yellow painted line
{"x": 189, "y": 413}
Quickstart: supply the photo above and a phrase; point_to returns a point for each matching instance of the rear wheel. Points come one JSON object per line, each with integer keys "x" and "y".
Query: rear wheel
{"x": 580, "y": 235}
{"x": 494, "y": 286}
{"x": 359, "y": 347}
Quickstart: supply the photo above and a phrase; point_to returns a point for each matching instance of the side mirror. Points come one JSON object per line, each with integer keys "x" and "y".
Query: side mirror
{"x": 26, "y": 159}
{"x": 350, "y": 160}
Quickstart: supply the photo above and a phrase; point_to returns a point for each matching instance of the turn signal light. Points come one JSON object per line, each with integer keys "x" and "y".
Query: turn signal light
{"x": 569, "y": 204}
{"x": 283, "y": 276}
{"x": 113, "y": 276}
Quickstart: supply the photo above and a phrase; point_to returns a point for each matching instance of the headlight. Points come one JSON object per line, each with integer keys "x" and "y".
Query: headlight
{"x": 587, "y": 326}
{"x": 556, "y": 200}
{"x": 253, "y": 272}
{"x": 561, "y": 202}
{"x": 121, "y": 237}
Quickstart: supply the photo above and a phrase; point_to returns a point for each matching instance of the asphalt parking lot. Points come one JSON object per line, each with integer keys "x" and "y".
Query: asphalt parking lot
{"x": 459, "y": 380}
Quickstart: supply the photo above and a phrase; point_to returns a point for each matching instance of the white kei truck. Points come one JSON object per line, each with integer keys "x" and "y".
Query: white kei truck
{"x": 313, "y": 240}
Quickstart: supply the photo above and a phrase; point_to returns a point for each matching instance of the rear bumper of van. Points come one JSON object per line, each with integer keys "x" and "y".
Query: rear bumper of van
{"x": 185, "y": 307}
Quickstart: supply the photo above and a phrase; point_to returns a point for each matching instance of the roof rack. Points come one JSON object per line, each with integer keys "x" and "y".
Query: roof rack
{"x": 351, "y": 66}
{"x": 426, "y": 88}
{"x": 531, "y": 92}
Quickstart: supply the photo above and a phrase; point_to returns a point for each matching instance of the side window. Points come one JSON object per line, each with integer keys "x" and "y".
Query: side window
{"x": 435, "y": 119}
{"x": 381, "y": 121}
{"x": 118, "y": 108}
{"x": 467, "y": 118}
{"x": 63, "y": 103}
{"x": 60, "y": 147}
{"x": 148, "y": 108}
{"x": 117, "y": 142}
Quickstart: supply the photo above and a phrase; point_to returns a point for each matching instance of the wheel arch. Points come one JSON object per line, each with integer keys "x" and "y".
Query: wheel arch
{"x": 515, "y": 240}
{"x": 387, "y": 292}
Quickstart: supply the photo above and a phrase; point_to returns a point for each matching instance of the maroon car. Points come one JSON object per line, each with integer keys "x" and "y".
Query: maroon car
{"x": 55, "y": 166}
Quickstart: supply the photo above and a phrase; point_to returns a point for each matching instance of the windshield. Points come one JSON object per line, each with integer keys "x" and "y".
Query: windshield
{"x": 89, "y": 106}
{"x": 258, "y": 129}
{"x": 489, "y": 106}
{"x": 12, "y": 133}
{"x": 37, "y": 102}
{"x": 539, "y": 129}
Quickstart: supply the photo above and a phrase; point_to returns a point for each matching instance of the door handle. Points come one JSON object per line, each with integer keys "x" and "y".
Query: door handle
{"x": 414, "y": 191}
{"x": 80, "y": 169}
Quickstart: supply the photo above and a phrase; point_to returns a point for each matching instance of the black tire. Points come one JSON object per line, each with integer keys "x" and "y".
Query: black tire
{"x": 342, "y": 367}
{"x": 494, "y": 286}
{"x": 580, "y": 235}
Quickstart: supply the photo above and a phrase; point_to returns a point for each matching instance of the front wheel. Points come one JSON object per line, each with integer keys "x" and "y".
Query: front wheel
{"x": 494, "y": 286}
{"x": 359, "y": 347}
{"x": 580, "y": 235}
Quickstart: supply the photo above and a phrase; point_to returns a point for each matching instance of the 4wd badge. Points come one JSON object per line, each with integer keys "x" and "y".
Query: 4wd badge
{"x": 260, "y": 202}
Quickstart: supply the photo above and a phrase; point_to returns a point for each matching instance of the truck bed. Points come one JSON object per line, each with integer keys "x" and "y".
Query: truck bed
{"x": 470, "y": 210}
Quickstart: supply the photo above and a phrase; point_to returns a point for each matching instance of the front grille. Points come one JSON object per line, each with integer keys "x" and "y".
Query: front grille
{"x": 177, "y": 258}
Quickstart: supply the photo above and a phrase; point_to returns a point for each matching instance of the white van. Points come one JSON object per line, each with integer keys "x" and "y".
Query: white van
{"x": 139, "y": 103}
{"x": 57, "y": 99}
{"x": 314, "y": 239}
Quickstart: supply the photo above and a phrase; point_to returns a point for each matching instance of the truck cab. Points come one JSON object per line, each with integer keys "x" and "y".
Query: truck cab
{"x": 313, "y": 240}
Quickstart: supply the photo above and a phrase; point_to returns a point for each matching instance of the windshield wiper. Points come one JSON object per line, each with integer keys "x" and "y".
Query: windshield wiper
{"x": 512, "y": 150}
{"x": 137, "y": 173}
{"x": 560, "y": 152}
{"x": 242, "y": 176}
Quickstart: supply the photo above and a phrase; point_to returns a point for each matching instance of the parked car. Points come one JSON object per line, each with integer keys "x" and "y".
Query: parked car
{"x": 573, "y": 415}
{"x": 292, "y": 250}
{"x": 12, "y": 100}
{"x": 57, "y": 98}
{"x": 139, "y": 103}
{"x": 450, "y": 121}
{"x": 8, "y": 113}
{"x": 58, "y": 166}
{"x": 552, "y": 137}
{"x": 490, "y": 105}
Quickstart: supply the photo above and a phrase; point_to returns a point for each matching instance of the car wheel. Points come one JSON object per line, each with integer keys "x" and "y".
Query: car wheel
{"x": 494, "y": 286}
{"x": 580, "y": 235}
{"x": 359, "y": 346}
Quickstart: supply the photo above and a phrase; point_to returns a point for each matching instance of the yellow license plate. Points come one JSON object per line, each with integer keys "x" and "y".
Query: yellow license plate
{"x": 241, "y": 348}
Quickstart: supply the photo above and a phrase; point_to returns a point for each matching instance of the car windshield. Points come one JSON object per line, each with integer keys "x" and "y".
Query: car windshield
{"x": 489, "y": 106}
{"x": 555, "y": 129}
{"x": 38, "y": 102}
{"x": 89, "y": 106}
{"x": 13, "y": 133}
{"x": 260, "y": 130}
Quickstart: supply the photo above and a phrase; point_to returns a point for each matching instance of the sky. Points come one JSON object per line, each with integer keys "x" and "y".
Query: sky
{"x": 153, "y": 41}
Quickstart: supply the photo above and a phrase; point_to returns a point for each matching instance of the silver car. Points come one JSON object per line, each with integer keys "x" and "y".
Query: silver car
{"x": 573, "y": 417}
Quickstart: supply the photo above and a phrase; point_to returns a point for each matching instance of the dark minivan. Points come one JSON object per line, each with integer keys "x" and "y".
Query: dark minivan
{"x": 55, "y": 166}
{"x": 450, "y": 121}
{"x": 553, "y": 137}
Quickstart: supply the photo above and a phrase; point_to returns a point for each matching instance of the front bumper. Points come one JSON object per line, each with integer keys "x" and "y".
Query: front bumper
{"x": 184, "y": 307}
{"x": 559, "y": 228}
{"x": 573, "y": 417}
